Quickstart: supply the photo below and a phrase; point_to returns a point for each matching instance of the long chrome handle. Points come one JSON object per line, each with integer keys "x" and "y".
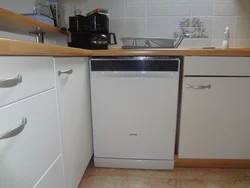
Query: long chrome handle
{"x": 15, "y": 131}
{"x": 199, "y": 87}
{"x": 10, "y": 82}
{"x": 70, "y": 71}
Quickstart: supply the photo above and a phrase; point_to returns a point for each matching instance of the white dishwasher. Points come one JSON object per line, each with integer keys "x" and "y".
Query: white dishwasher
{"x": 134, "y": 110}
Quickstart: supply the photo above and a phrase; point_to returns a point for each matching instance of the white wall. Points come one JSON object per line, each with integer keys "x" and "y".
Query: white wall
{"x": 18, "y": 6}
{"x": 161, "y": 18}
{"x": 157, "y": 18}
{"x": 67, "y": 8}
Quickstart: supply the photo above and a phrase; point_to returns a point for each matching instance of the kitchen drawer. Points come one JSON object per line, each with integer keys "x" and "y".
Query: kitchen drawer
{"x": 221, "y": 66}
{"x": 54, "y": 177}
{"x": 27, "y": 156}
{"x": 37, "y": 76}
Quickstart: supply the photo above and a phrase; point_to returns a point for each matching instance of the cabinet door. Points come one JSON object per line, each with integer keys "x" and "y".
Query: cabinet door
{"x": 215, "y": 122}
{"x": 1, "y": 173}
{"x": 75, "y": 116}
{"x": 27, "y": 156}
{"x": 53, "y": 178}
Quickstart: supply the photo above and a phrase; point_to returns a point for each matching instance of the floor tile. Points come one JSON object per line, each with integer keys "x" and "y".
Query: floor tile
{"x": 199, "y": 174}
{"x": 178, "y": 178}
{"x": 93, "y": 182}
{"x": 116, "y": 182}
{"x": 187, "y": 183}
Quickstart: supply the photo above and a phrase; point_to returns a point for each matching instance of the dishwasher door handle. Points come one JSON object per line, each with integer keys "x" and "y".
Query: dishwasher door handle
{"x": 198, "y": 86}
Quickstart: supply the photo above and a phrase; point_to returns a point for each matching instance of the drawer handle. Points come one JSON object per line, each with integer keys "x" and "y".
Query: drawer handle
{"x": 10, "y": 82}
{"x": 70, "y": 71}
{"x": 133, "y": 134}
{"x": 15, "y": 131}
{"x": 199, "y": 87}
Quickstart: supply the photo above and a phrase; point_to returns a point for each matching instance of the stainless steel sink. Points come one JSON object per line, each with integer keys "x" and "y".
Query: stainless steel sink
{"x": 142, "y": 43}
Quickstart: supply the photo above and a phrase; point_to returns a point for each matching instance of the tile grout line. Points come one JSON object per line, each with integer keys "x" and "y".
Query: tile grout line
{"x": 146, "y": 18}
{"x": 212, "y": 37}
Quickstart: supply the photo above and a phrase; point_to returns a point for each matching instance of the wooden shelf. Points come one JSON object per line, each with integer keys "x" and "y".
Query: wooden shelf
{"x": 16, "y": 23}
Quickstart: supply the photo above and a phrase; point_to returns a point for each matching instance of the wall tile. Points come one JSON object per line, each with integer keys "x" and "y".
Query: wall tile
{"x": 242, "y": 21}
{"x": 223, "y": 21}
{"x": 217, "y": 43}
{"x": 225, "y": 10}
{"x": 241, "y": 33}
{"x": 135, "y": 2}
{"x": 108, "y": 4}
{"x": 156, "y": 10}
{"x": 135, "y": 32}
{"x": 163, "y": 18}
{"x": 4, "y": 34}
{"x": 179, "y": 1}
{"x": 135, "y": 22}
{"x": 158, "y": 2}
{"x": 158, "y": 22}
{"x": 202, "y": 1}
{"x": 135, "y": 11}
{"x": 156, "y": 32}
{"x": 179, "y": 10}
{"x": 117, "y": 11}
{"x": 241, "y": 43}
{"x": 225, "y": 1}
{"x": 195, "y": 43}
{"x": 202, "y": 9}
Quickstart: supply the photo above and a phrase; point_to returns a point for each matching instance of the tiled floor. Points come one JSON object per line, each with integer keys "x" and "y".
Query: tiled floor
{"x": 179, "y": 178}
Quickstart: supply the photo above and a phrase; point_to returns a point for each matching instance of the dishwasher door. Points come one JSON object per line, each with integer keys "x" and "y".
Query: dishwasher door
{"x": 134, "y": 112}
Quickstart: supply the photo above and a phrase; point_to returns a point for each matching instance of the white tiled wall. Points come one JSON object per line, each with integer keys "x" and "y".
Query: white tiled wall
{"x": 161, "y": 18}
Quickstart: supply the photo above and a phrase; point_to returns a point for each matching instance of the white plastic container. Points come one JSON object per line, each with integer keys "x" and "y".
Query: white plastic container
{"x": 225, "y": 42}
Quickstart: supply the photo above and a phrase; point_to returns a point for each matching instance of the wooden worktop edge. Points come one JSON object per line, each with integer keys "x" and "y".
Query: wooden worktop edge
{"x": 16, "y": 47}
{"x": 174, "y": 52}
{"x": 9, "y": 47}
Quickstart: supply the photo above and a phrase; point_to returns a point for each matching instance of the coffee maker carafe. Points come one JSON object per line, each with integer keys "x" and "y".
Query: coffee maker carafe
{"x": 91, "y": 32}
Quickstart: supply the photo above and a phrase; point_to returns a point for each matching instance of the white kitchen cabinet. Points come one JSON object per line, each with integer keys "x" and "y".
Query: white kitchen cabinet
{"x": 75, "y": 116}
{"x": 54, "y": 177}
{"x": 1, "y": 172}
{"x": 28, "y": 155}
{"x": 215, "y": 122}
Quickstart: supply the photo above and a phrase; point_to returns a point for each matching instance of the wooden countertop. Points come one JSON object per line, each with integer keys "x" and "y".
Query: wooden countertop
{"x": 15, "y": 47}
{"x": 173, "y": 52}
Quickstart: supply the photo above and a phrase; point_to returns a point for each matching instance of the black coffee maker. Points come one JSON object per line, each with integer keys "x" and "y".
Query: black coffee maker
{"x": 91, "y": 32}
